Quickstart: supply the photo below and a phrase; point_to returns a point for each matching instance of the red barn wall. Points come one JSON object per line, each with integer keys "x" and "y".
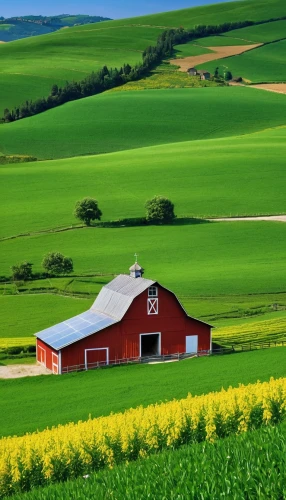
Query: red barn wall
{"x": 123, "y": 338}
{"x": 49, "y": 360}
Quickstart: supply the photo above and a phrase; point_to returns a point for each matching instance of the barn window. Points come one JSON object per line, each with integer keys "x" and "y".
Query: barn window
{"x": 152, "y": 291}
{"x": 152, "y": 306}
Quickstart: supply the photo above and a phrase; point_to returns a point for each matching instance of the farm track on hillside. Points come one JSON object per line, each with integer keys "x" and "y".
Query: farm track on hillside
{"x": 218, "y": 53}
{"x": 274, "y": 218}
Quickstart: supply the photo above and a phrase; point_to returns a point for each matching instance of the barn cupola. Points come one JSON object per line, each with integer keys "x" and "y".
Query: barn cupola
{"x": 136, "y": 271}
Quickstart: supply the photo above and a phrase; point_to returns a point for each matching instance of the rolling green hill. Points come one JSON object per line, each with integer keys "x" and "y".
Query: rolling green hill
{"x": 204, "y": 259}
{"x": 207, "y": 178}
{"x": 150, "y": 117}
{"x": 263, "y": 64}
{"x": 71, "y": 54}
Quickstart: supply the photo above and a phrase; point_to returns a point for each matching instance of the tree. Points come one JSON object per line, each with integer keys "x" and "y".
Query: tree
{"x": 57, "y": 263}
{"x": 227, "y": 75}
{"x": 87, "y": 210}
{"x": 159, "y": 209}
{"x": 22, "y": 271}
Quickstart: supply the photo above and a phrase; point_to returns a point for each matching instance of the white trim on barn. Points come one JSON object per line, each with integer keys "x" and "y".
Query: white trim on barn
{"x": 60, "y": 363}
{"x": 96, "y": 349}
{"x": 40, "y": 354}
{"x": 55, "y": 365}
{"x": 152, "y": 306}
{"x": 159, "y": 343}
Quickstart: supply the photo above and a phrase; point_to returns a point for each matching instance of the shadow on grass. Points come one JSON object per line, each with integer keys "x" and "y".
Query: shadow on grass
{"x": 135, "y": 222}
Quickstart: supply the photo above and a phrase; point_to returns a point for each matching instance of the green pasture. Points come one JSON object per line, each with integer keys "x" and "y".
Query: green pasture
{"x": 197, "y": 259}
{"x": 268, "y": 32}
{"x": 263, "y": 64}
{"x": 172, "y": 472}
{"x": 221, "y": 41}
{"x": 190, "y": 49}
{"x": 119, "y": 121}
{"x": 36, "y": 312}
{"x": 207, "y": 178}
{"x": 209, "y": 14}
{"x": 32, "y": 403}
{"x": 70, "y": 54}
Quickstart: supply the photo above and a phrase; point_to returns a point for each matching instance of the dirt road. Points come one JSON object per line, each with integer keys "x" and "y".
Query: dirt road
{"x": 17, "y": 371}
{"x": 276, "y": 218}
{"x": 218, "y": 53}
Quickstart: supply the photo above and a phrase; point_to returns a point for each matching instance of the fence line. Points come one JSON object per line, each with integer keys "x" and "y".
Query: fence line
{"x": 251, "y": 346}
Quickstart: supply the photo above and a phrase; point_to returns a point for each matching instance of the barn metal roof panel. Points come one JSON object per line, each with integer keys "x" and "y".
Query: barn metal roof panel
{"x": 115, "y": 298}
{"x": 75, "y": 328}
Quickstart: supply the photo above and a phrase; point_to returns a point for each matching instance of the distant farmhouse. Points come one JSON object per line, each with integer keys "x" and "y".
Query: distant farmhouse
{"x": 204, "y": 75}
{"x": 132, "y": 318}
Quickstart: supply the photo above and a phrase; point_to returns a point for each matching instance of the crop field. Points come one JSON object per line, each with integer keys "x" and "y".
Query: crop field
{"x": 136, "y": 433}
{"x": 208, "y": 251}
{"x": 253, "y": 330}
{"x": 218, "y": 41}
{"x": 162, "y": 116}
{"x": 173, "y": 472}
{"x": 197, "y": 190}
{"x": 190, "y": 49}
{"x": 263, "y": 64}
{"x": 268, "y": 32}
{"x": 72, "y": 53}
{"x": 32, "y": 403}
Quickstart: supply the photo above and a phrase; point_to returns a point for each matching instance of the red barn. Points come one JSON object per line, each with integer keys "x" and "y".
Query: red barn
{"x": 132, "y": 317}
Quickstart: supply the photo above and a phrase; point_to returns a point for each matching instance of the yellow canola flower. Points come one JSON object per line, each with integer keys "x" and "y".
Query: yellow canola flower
{"x": 75, "y": 448}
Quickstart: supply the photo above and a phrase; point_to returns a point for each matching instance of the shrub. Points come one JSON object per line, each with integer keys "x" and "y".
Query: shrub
{"x": 159, "y": 209}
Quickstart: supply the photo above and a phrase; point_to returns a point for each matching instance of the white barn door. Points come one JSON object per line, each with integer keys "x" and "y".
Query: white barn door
{"x": 192, "y": 343}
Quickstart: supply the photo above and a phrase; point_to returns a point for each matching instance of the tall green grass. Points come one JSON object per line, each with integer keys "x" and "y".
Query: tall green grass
{"x": 235, "y": 467}
{"x": 119, "y": 121}
{"x": 32, "y": 403}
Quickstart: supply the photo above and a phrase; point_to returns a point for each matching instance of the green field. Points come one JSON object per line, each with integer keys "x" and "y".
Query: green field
{"x": 72, "y": 53}
{"x": 37, "y": 312}
{"x": 5, "y": 27}
{"x": 263, "y": 64}
{"x": 244, "y": 458}
{"x": 268, "y": 32}
{"x": 150, "y": 117}
{"x": 203, "y": 259}
{"x": 221, "y": 41}
{"x": 34, "y": 403}
{"x": 225, "y": 177}
{"x": 190, "y": 49}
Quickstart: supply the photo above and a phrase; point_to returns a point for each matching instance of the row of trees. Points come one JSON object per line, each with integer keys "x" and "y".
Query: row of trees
{"x": 54, "y": 263}
{"x": 107, "y": 78}
{"x": 158, "y": 210}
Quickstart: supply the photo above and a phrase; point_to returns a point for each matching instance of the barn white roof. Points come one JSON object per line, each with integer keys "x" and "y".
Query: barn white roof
{"x": 111, "y": 304}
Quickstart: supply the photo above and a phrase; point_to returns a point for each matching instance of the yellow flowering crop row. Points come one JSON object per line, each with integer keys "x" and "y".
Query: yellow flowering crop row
{"x": 267, "y": 330}
{"x": 17, "y": 341}
{"x": 70, "y": 450}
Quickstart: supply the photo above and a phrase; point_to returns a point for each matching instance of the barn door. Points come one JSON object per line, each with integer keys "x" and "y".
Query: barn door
{"x": 96, "y": 357}
{"x": 192, "y": 343}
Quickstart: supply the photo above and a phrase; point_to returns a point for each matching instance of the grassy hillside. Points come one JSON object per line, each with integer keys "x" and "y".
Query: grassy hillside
{"x": 262, "y": 33}
{"x": 32, "y": 403}
{"x": 71, "y": 54}
{"x": 204, "y": 259}
{"x": 150, "y": 117}
{"x": 207, "y": 178}
{"x": 263, "y": 64}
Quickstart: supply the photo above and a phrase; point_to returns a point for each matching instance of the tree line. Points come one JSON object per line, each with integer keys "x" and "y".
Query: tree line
{"x": 108, "y": 78}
